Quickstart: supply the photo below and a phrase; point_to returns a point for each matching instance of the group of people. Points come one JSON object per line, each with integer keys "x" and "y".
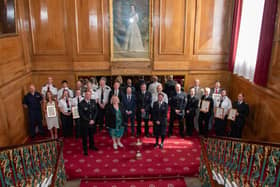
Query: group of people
{"x": 93, "y": 105}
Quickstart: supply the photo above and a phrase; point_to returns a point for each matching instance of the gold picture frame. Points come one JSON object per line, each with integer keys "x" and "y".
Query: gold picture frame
{"x": 219, "y": 113}
{"x": 232, "y": 114}
{"x": 51, "y": 111}
{"x": 205, "y": 106}
{"x": 123, "y": 28}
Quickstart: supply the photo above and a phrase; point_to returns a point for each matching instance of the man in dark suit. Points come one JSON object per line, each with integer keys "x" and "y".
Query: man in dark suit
{"x": 159, "y": 115}
{"x": 116, "y": 91}
{"x": 204, "y": 116}
{"x": 242, "y": 112}
{"x": 88, "y": 113}
{"x": 192, "y": 104}
{"x": 177, "y": 106}
{"x": 129, "y": 103}
{"x": 169, "y": 86}
{"x": 144, "y": 100}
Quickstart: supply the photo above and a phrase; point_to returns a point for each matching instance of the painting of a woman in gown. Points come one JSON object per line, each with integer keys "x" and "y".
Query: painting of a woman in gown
{"x": 131, "y": 28}
{"x": 133, "y": 39}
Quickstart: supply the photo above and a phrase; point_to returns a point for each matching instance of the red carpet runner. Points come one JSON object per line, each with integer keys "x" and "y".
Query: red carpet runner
{"x": 136, "y": 183}
{"x": 180, "y": 157}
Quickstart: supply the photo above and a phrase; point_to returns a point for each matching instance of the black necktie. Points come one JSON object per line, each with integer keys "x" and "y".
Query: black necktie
{"x": 78, "y": 99}
{"x": 67, "y": 103}
{"x": 102, "y": 95}
{"x": 48, "y": 88}
{"x": 129, "y": 98}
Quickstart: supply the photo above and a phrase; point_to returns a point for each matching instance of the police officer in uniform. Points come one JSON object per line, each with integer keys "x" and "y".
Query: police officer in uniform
{"x": 32, "y": 101}
{"x": 177, "y": 106}
{"x": 88, "y": 112}
{"x": 102, "y": 98}
{"x": 191, "y": 107}
{"x": 49, "y": 87}
{"x": 242, "y": 112}
{"x": 143, "y": 109}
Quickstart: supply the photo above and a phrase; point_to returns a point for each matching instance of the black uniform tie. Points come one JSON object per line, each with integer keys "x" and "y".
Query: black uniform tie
{"x": 102, "y": 95}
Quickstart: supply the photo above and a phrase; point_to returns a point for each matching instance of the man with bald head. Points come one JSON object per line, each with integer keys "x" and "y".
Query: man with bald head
{"x": 49, "y": 87}
{"x": 32, "y": 102}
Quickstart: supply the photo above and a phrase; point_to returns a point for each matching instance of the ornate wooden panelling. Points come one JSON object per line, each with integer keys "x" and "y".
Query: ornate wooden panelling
{"x": 213, "y": 27}
{"x": 274, "y": 78}
{"x": 263, "y": 121}
{"x": 48, "y": 22}
{"x": 172, "y": 32}
{"x": 89, "y": 17}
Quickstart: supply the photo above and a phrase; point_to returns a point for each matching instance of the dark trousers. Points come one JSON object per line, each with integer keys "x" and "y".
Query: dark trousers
{"x": 130, "y": 117}
{"x": 220, "y": 126}
{"x": 139, "y": 120}
{"x": 35, "y": 117}
{"x": 190, "y": 124}
{"x": 77, "y": 128}
{"x": 160, "y": 131}
{"x": 203, "y": 122}
{"x": 67, "y": 125}
{"x": 173, "y": 117}
{"x": 236, "y": 130}
{"x": 100, "y": 117}
{"x": 87, "y": 133}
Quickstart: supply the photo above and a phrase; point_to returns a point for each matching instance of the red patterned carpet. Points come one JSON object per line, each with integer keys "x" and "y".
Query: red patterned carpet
{"x": 136, "y": 183}
{"x": 180, "y": 157}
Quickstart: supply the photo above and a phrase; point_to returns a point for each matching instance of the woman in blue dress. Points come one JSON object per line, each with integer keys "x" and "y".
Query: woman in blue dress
{"x": 115, "y": 121}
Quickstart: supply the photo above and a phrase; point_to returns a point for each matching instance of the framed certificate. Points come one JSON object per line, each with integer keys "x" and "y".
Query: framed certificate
{"x": 205, "y": 106}
{"x": 75, "y": 112}
{"x": 216, "y": 99}
{"x": 232, "y": 114}
{"x": 51, "y": 111}
{"x": 219, "y": 113}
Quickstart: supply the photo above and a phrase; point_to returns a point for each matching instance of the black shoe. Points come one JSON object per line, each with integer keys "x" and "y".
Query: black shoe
{"x": 155, "y": 145}
{"x": 94, "y": 148}
{"x": 86, "y": 153}
{"x": 147, "y": 135}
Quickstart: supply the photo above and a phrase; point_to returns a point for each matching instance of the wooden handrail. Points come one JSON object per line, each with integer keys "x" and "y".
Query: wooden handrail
{"x": 57, "y": 163}
{"x": 206, "y": 162}
{"x": 29, "y": 143}
{"x": 265, "y": 143}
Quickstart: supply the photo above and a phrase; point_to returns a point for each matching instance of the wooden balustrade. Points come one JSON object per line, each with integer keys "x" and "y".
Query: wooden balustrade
{"x": 39, "y": 162}
{"x": 239, "y": 162}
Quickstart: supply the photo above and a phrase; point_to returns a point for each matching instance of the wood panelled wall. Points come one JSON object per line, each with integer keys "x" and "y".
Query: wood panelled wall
{"x": 15, "y": 75}
{"x": 189, "y": 36}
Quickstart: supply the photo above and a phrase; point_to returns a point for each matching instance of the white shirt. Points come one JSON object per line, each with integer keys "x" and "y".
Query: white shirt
{"x": 226, "y": 104}
{"x": 60, "y": 92}
{"x": 45, "y": 89}
{"x": 155, "y": 98}
{"x": 63, "y": 105}
{"x": 74, "y": 101}
{"x": 153, "y": 87}
{"x": 106, "y": 93}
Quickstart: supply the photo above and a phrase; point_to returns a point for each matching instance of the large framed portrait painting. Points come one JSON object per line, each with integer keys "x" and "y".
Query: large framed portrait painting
{"x": 130, "y": 22}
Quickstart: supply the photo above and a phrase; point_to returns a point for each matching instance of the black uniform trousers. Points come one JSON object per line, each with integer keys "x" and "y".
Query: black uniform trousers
{"x": 139, "y": 119}
{"x": 173, "y": 117}
{"x": 189, "y": 123}
{"x": 237, "y": 128}
{"x": 87, "y": 133}
{"x": 77, "y": 128}
{"x": 203, "y": 122}
{"x": 220, "y": 126}
{"x": 160, "y": 131}
{"x": 67, "y": 125}
{"x": 35, "y": 117}
{"x": 100, "y": 117}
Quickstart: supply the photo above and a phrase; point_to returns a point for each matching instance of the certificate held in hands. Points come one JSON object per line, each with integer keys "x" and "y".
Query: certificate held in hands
{"x": 232, "y": 114}
{"x": 51, "y": 111}
{"x": 75, "y": 112}
{"x": 219, "y": 113}
{"x": 205, "y": 106}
